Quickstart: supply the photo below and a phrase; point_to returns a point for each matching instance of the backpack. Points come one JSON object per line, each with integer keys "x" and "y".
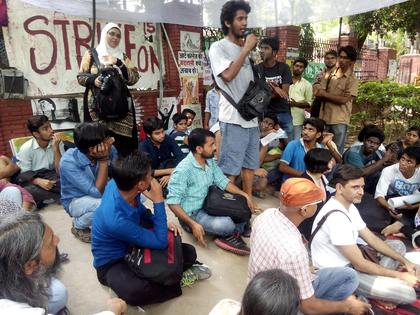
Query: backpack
{"x": 163, "y": 266}
{"x": 111, "y": 101}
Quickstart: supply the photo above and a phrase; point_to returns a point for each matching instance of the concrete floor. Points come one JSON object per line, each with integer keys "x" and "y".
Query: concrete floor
{"x": 87, "y": 295}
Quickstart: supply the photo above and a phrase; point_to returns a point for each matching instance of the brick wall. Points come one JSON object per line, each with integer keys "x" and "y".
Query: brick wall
{"x": 288, "y": 37}
{"x": 13, "y": 117}
{"x": 14, "y": 113}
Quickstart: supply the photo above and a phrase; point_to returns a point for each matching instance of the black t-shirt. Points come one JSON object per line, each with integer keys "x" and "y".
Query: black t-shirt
{"x": 279, "y": 73}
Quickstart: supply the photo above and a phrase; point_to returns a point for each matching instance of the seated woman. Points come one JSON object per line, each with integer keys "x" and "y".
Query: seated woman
{"x": 118, "y": 223}
{"x": 318, "y": 162}
{"x": 270, "y": 292}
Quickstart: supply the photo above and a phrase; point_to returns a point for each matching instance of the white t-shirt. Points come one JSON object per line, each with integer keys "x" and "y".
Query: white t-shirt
{"x": 392, "y": 182}
{"x": 337, "y": 230}
{"x": 10, "y": 307}
{"x": 222, "y": 54}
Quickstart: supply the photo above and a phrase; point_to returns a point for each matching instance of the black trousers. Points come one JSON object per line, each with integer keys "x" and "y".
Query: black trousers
{"x": 137, "y": 291}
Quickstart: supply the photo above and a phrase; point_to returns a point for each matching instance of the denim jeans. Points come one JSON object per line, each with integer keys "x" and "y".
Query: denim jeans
{"x": 82, "y": 210}
{"x": 286, "y": 123}
{"x": 218, "y": 226}
{"x": 57, "y": 296}
{"x": 335, "y": 284}
{"x": 340, "y": 135}
{"x": 12, "y": 194}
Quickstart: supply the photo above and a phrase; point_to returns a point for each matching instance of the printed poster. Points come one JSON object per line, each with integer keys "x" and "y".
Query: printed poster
{"x": 190, "y": 90}
{"x": 167, "y": 111}
{"x": 190, "y": 41}
{"x": 63, "y": 113}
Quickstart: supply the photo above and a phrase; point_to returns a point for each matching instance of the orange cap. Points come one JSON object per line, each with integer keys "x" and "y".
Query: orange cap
{"x": 299, "y": 192}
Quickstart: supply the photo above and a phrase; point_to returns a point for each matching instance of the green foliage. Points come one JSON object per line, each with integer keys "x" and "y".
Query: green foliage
{"x": 392, "y": 106}
{"x": 404, "y": 16}
{"x": 306, "y": 41}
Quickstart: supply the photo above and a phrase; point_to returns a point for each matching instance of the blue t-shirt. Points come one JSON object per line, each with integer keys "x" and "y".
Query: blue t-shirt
{"x": 355, "y": 156}
{"x": 294, "y": 155}
{"x": 116, "y": 225}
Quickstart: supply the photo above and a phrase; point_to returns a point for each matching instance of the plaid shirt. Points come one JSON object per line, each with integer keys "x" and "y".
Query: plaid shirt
{"x": 190, "y": 182}
{"x": 276, "y": 243}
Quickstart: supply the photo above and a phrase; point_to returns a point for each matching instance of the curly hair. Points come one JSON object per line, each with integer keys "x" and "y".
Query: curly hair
{"x": 229, "y": 10}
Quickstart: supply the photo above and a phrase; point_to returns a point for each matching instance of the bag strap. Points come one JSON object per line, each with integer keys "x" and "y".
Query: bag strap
{"x": 321, "y": 223}
{"x": 228, "y": 97}
{"x": 96, "y": 58}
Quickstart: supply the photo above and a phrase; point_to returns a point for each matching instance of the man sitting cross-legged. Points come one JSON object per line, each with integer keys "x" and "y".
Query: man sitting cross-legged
{"x": 162, "y": 150}
{"x": 39, "y": 159}
{"x": 28, "y": 255}
{"x": 84, "y": 174}
{"x": 292, "y": 162}
{"x": 335, "y": 244}
{"x": 118, "y": 223}
{"x": 189, "y": 186}
{"x": 276, "y": 243}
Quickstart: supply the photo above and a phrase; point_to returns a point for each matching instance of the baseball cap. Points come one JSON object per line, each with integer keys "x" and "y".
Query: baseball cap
{"x": 300, "y": 192}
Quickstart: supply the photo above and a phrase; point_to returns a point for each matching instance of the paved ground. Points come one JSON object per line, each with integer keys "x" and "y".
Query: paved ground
{"x": 87, "y": 295}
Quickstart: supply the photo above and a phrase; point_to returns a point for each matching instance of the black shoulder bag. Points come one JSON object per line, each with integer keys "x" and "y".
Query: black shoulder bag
{"x": 256, "y": 98}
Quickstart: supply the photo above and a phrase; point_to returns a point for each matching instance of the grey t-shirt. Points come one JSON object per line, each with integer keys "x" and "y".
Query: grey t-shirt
{"x": 222, "y": 54}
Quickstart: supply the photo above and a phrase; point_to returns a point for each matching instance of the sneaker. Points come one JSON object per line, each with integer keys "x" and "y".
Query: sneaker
{"x": 82, "y": 234}
{"x": 234, "y": 244}
{"x": 188, "y": 278}
{"x": 202, "y": 271}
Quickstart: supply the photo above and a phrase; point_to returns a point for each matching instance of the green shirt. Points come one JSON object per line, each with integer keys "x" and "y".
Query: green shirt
{"x": 190, "y": 183}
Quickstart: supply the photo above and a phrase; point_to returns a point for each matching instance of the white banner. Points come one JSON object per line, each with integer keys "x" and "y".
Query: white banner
{"x": 48, "y": 48}
{"x": 264, "y": 13}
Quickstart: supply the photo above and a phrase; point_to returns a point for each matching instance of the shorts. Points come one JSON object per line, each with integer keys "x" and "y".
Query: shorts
{"x": 239, "y": 148}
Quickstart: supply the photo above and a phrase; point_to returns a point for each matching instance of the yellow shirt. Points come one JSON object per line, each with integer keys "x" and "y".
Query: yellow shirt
{"x": 300, "y": 91}
{"x": 340, "y": 84}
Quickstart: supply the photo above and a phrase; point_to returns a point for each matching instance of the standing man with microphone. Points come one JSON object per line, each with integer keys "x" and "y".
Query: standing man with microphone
{"x": 232, "y": 70}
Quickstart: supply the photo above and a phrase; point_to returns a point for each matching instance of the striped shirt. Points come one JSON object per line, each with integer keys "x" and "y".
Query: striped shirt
{"x": 276, "y": 243}
{"x": 190, "y": 183}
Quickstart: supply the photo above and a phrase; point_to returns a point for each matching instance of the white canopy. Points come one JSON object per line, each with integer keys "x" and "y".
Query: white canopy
{"x": 265, "y": 13}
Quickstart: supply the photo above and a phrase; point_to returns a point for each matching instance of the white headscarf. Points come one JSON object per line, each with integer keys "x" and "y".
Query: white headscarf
{"x": 104, "y": 49}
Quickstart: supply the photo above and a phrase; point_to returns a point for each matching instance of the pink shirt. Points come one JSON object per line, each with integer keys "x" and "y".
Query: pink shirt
{"x": 26, "y": 196}
{"x": 276, "y": 243}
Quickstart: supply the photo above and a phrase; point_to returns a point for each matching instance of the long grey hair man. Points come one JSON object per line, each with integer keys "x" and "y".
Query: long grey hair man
{"x": 28, "y": 259}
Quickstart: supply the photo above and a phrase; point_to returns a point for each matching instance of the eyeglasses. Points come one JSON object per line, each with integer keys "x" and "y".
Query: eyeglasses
{"x": 118, "y": 35}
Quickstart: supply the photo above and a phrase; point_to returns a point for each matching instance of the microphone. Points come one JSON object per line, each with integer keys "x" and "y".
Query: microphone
{"x": 247, "y": 32}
